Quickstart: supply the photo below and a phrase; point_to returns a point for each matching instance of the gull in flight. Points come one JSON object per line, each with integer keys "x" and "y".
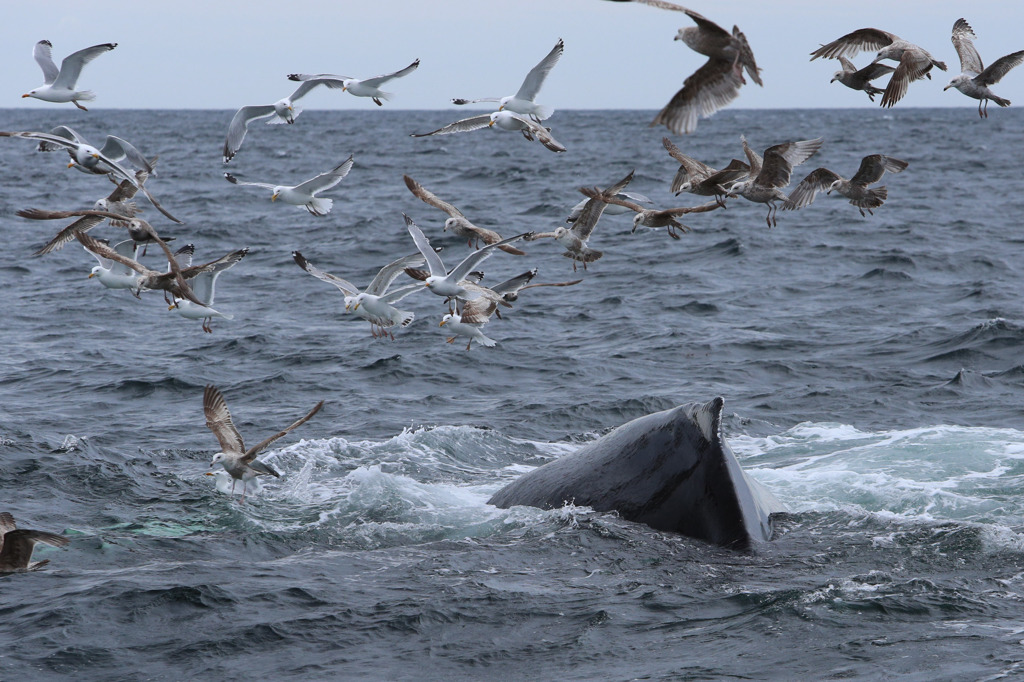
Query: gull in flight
{"x": 696, "y": 177}
{"x": 574, "y": 238}
{"x": 59, "y": 84}
{"x": 648, "y": 217}
{"x": 454, "y": 284}
{"x": 715, "y": 84}
{"x": 138, "y": 229}
{"x": 113, "y": 274}
{"x": 202, "y": 286}
{"x": 16, "y": 545}
{"x": 914, "y": 62}
{"x": 365, "y": 87}
{"x": 975, "y": 79}
{"x": 376, "y": 303}
{"x": 458, "y": 223}
{"x": 768, "y": 175}
{"x": 860, "y": 79}
{"x": 281, "y": 111}
{"x": 523, "y": 101}
{"x": 118, "y": 201}
{"x": 94, "y": 160}
{"x": 240, "y": 463}
{"x": 304, "y": 194}
{"x": 856, "y": 189}
{"x": 505, "y": 120}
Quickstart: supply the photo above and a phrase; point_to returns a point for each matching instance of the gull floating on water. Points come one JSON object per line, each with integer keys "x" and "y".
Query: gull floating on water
{"x": 504, "y": 120}
{"x": 203, "y": 289}
{"x": 59, "y": 84}
{"x": 773, "y": 172}
{"x": 574, "y": 239}
{"x": 304, "y": 194}
{"x": 975, "y": 79}
{"x": 281, "y": 111}
{"x": 457, "y": 222}
{"x": 914, "y": 62}
{"x": 375, "y": 304}
{"x": 523, "y": 101}
{"x": 696, "y": 177}
{"x": 240, "y": 463}
{"x": 90, "y": 157}
{"x": 365, "y": 87}
{"x": 16, "y": 545}
{"x": 856, "y": 189}
{"x": 860, "y": 79}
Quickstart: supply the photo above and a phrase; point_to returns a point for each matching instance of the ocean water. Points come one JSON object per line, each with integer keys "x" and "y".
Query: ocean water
{"x": 872, "y": 369}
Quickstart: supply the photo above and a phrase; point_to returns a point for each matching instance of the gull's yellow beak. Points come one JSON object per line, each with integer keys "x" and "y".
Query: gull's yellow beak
{"x": 25, "y": 95}
{"x": 490, "y": 124}
{"x": 273, "y": 197}
{"x": 91, "y": 275}
{"x": 355, "y": 307}
{"x": 172, "y": 306}
{"x": 71, "y": 164}
{"x": 442, "y": 323}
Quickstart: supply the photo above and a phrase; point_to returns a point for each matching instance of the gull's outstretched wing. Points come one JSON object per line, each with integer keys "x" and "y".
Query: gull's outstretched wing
{"x": 535, "y": 79}
{"x": 344, "y": 285}
{"x": 43, "y": 54}
{"x": 240, "y": 124}
{"x": 71, "y": 67}
{"x": 326, "y": 180}
{"x": 251, "y": 453}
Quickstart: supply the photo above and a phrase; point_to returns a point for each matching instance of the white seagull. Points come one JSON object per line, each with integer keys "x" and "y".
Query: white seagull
{"x": 376, "y": 303}
{"x": 114, "y": 274}
{"x": 59, "y": 84}
{"x": 240, "y": 463}
{"x": 975, "y": 79}
{"x": 523, "y": 101}
{"x": 304, "y": 194}
{"x": 505, "y": 120}
{"x": 365, "y": 87}
{"x": 202, "y": 287}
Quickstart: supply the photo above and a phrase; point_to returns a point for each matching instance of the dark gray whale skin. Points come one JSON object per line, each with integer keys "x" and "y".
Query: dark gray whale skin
{"x": 671, "y": 470}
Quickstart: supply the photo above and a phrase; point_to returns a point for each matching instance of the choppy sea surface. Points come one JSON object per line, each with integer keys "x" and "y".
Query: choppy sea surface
{"x": 872, "y": 369}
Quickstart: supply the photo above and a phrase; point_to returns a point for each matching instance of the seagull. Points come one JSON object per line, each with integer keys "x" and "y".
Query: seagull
{"x": 654, "y": 218}
{"x": 365, "y": 87}
{"x": 173, "y": 281}
{"x": 453, "y": 284}
{"x": 202, "y": 287}
{"x": 699, "y": 178}
{"x": 89, "y": 157}
{"x": 114, "y": 148}
{"x": 457, "y": 221}
{"x": 114, "y": 274}
{"x": 117, "y": 202}
{"x": 281, "y": 111}
{"x": 304, "y": 194}
{"x": 975, "y": 79}
{"x": 715, "y": 84}
{"x": 914, "y": 62}
{"x": 860, "y": 79}
{"x": 375, "y": 304}
{"x": 240, "y": 463}
{"x": 523, "y": 101}
{"x": 574, "y": 239}
{"x": 505, "y": 120}
{"x": 59, "y": 84}
{"x": 768, "y": 177}
{"x": 16, "y": 545}
{"x": 609, "y": 209}
{"x": 138, "y": 229}
{"x": 871, "y": 170}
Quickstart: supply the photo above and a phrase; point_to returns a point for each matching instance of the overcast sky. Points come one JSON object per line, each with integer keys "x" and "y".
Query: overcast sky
{"x": 222, "y": 54}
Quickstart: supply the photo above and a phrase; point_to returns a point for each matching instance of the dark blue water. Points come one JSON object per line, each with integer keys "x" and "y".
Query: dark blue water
{"x": 872, "y": 370}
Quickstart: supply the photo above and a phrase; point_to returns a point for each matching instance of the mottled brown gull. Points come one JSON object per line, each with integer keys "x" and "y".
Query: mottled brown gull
{"x": 696, "y": 177}
{"x": 856, "y": 189}
{"x": 860, "y": 79}
{"x": 16, "y": 545}
{"x": 653, "y": 218}
{"x": 975, "y": 79}
{"x": 776, "y": 169}
{"x": 240, "y": 463}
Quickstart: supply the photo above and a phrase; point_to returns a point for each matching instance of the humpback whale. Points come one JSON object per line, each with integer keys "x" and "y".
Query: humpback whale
{"x": 671, "y": 470}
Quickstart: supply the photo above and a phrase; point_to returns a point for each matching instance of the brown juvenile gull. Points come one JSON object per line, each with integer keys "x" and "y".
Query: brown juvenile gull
{"x": 701, "y": 179}
{"x": 776, "y": 169}
{"x": 138, "y": 229}
{"x": 89, "y": 157}
{"x": 457, "y": 222}
{"x": 304, "y": 193}
{"x": 375, "y": 304}
{"x": 717, "y": 82}
{"x": 975, "y": 79}
{"x": 59, "y": 85}
{"x": 240, "y": 463}
{"x": 856, "y": 189}
{"x": 860, "y": 79}
{"x": 523, "y": 101}
{"x": 505, "y": 120}
{"x": 16, "y": 545}
{"x": 117, "y": 202}
{"x": 914, "y": 62}
{"x": 653, "y": 218}
{"x": 574, "y": 239}
{"x": 365, "y": 87}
